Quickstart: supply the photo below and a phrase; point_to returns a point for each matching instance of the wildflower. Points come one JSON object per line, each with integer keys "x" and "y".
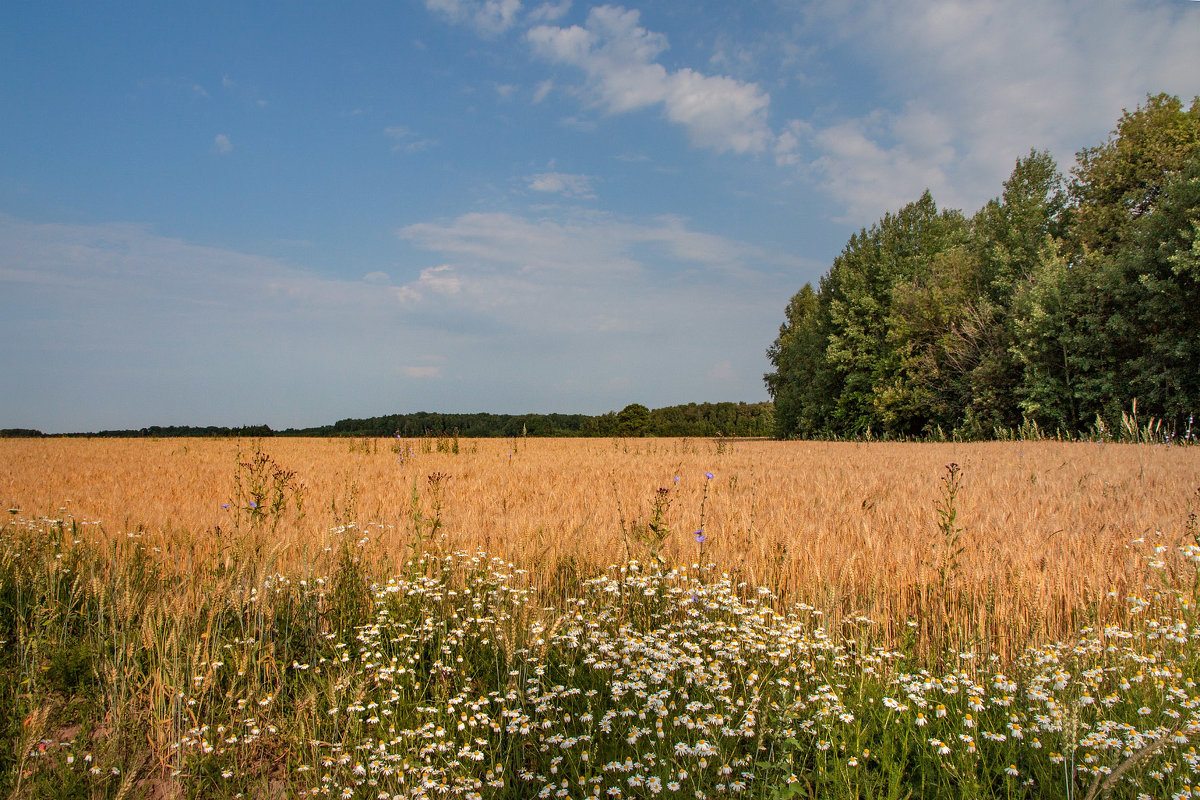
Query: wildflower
{"x": 1012, "y": 770}
{"x": 700, "y": 537}
{"x": 709, "y": 475}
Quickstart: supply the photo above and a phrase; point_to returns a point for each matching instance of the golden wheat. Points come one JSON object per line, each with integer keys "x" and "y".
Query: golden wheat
{"x": 850, "y": 528}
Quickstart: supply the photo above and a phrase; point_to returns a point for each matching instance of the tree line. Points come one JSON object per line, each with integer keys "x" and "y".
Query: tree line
{"x": 692, "y": 419}
{"x": 1064, "y": 303}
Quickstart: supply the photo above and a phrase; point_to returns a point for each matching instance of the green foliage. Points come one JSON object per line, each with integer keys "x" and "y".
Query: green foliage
{"x": 263, "y": 491}
{"x": 1123, "y": 180}
{"x": 633, "y": 420}
{"x": 349, "y": 603}
{"x": 1052, "y": 307}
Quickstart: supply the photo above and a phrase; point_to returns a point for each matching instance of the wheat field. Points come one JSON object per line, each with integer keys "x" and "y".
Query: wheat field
{"x": 1045, "y": 533}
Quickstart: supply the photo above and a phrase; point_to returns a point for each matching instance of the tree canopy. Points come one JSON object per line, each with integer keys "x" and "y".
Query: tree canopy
{"x": 1060, "y": 302}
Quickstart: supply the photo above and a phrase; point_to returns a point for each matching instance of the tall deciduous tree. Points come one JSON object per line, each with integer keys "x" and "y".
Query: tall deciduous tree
{"x": 1118, "y": 182}
{"x": 798, "y": 355}
{"x": 866, "y": 359}
{"x": 1056, "y": 303}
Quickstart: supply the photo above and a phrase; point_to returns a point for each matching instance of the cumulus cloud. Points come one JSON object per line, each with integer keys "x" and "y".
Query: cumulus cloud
{"x": 585, "y": 248}
{"x": 488, "y": 17}
{"x": 433, "y": 281}
{"x": 222, "y": 145}
{"x": 422, "y": 372}
{"x": 977, "y": 83}
{"x": 549, "y": 12}
{"x": 505, "y": 260}
{"x": 544, "y": 246}
{"x": 618, "y": 57}
{"x": 616, "y": 298}
{"x": 969, "y": 85}
{"x": 562, "y": 183}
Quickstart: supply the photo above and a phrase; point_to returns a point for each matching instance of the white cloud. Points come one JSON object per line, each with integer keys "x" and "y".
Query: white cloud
{"x": 435, "y": 281}
{"x": 562, "y": 183}
{"x": 407, "y": 140}
{"x": 618, "y": 57}
{"x": 542, "y": 91}
{"x": 530, "y": 246}
{"x": 549, "y": 12}
{"x": 488, "y": 17}
{"x": 584, "y": 248}
{"x": 977, "y": 83}
{"x": 503, "y": 260}
{"x": 154, "y": 330}
{"x": 222, "y": 144}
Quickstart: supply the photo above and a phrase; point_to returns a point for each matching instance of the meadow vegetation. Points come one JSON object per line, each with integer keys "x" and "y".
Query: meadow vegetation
{"x": 438, "y": 617}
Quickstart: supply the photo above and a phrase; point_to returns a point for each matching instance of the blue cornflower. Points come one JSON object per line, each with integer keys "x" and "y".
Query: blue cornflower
{"x": 677, "y": 479}
{"x": 700, "y": 536}
{"x": 224, "y": 505}
{"x": 709, "y": 475}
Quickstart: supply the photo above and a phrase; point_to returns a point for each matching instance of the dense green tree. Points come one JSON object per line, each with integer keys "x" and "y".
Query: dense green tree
{"x": 1057, "y": 303}
{"x": 1118, "y": 182}
{"x": 1010, "y": 234}
{"x": 1107, "y": 318}
{"x": 1161, "y": 271}
{"x": 930, "y": 388}
{"x": 798, "y": 355}
{"x": 633, "y": 420}
{"x": 866, "y": 357}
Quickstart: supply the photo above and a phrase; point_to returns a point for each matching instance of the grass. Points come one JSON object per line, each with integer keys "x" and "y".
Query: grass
{"x": 342, "y": 629}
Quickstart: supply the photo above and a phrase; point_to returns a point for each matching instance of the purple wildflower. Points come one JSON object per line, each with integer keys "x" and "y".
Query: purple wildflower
{"x": 700, "y": 537}
{"x": 709, "y": 475}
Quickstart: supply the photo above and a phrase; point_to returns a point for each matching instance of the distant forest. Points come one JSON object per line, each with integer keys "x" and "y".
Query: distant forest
{"x": 1065, "y": 306}
{"x": 693, "y": 419}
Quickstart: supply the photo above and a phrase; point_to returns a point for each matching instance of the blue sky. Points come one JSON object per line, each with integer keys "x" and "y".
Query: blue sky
{"x": 251, "y": 213}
